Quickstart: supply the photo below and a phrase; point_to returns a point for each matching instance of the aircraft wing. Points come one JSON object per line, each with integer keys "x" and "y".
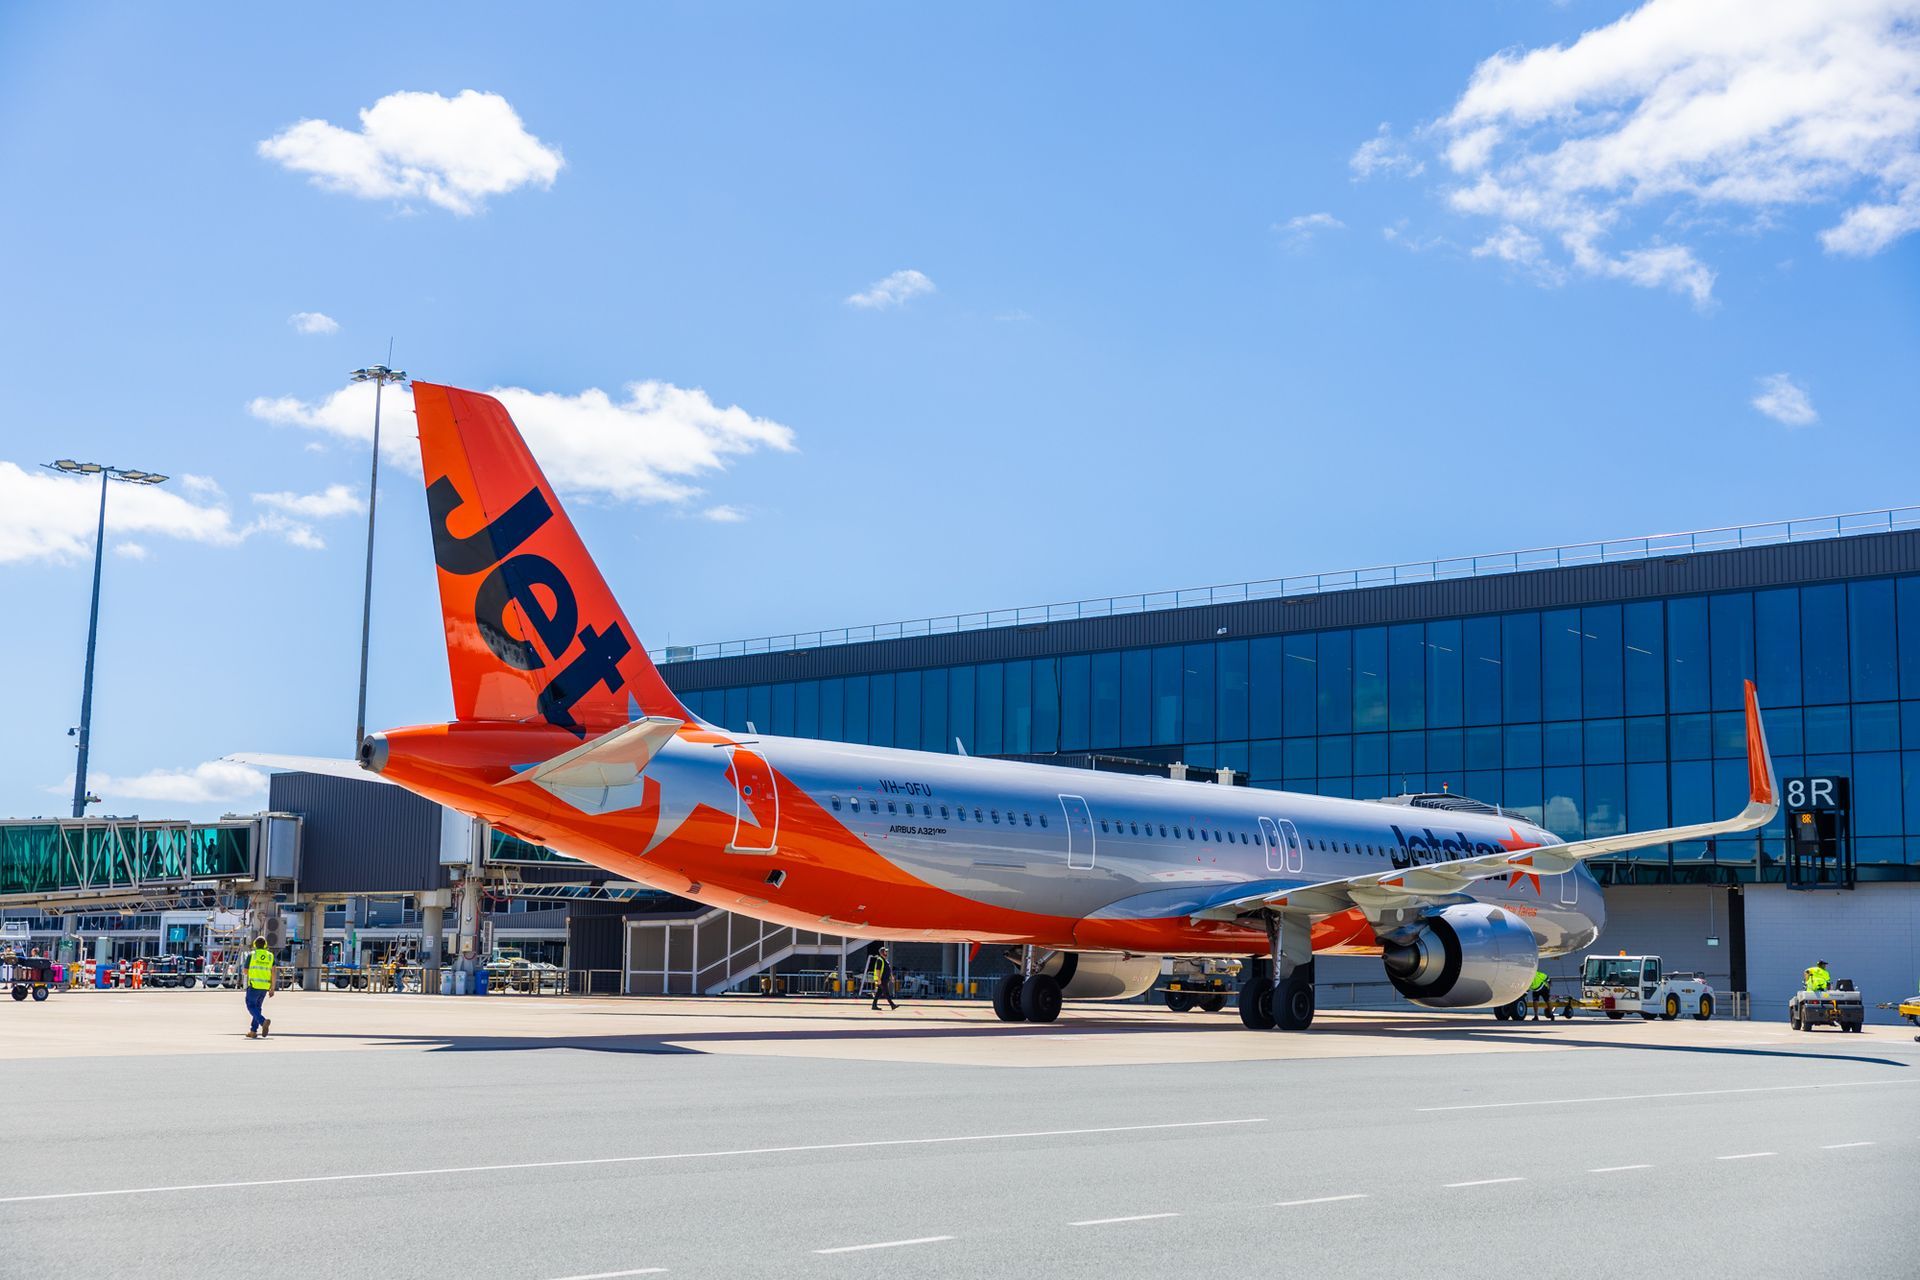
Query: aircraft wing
{"x": 1436, "y": 883}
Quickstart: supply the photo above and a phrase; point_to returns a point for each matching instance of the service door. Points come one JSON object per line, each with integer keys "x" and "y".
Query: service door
{"x": 1568, "y": 887}
{"x": 756, "y": 822}
{"x": 1079, "y": 833}
{"x": 1270, "y": 837}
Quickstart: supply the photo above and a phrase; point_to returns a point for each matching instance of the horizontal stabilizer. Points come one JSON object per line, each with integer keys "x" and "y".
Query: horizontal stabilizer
{"x": 611, "y": 760}
{"x": 307, "y": 764}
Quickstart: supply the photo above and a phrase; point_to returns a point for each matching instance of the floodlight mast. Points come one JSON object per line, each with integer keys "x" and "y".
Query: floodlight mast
{"x": 379, "y": 375}
{"x": 84, "y": 732}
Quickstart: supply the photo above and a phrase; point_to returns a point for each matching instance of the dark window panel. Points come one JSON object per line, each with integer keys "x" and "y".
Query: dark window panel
{"x": 879, "y": 710}
{"x": 857, "y": 726}
{"x": 1606, "y": 800}
{"x": 1687, "y": 666}
{"x": 1523, "y": 746}
{"x": 1829, "y": 729}
{"x": 1560, "y": 742}
{"x": 1823, "y": 644}
{"x": 1776, "y": 646}
{"x": 1870, "y": 640}
{"x": 906, "y": 709}
{"x": 1106, "y": 700}
{"x": 1234, "y": 756}
{"x": 833, "y": 709}
{"x": 1406, "y": 676}
{"x": 1444, "y": 692}
{"x": 1647, "y": 738}
{"x": 1690, "y": 737}
{"x": 1300, "y": 666}
{"x": 1643, "y": 636}
{"x": 1606, "y": 742}
{"x": 1520, "y": 666}
{"x": 1647, "y": 797}
{"x": 1877, "y": 789}
{"x": 1016, "y": 724}
{"x": 1076, "y": 702}
{"x": 1910, "y": 790}
{"x": 1730, "y": 735}
{"x": 806, "y": 709}
{"x": 1046, "y": 705}
{"x": 933, "y": 711}
{"x": 1601, "y": 692}
{"x": 1370, "y": 679}
{"x": 1521, "y": 793}
{"x": 1370, "y": 753}
{"x": 1406, "y": 754}
{"x": 1300, "y": 758}
{"x": 1784, "y": 735}
{"x": 962, "y": 718}
{"x": 1908, "y": 628}
{"x": 1336, "y": 756}
{"x": 1230, "y": 716}
{"x": 1169, "y": 679}
{"x": 1730, "y": 630}
{"x": 1481, "y": 670}
{"x": 988, "y": 711}
{"x": 760, "y": 707}
{"x": 1265, "y": 669}
{"x": 1483, "y": 748}
{"x": 1560, "y": 644}
{"x": 1336, "y": 681}
{"x": 1263, "y": 759}
{"x": 1484, "y": 785}
{"x": 736, "y": 710}
{"x": 1200, "y": 695}
{"x": 782, "y": 723}
{"x": 1445, "y": 752}
{"x": 1136, "y": 697}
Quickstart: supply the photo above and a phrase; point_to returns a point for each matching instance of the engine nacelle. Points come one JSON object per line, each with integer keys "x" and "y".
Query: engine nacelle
{"x": 1464, "y": 957}
{"x": 1101, "y": 975}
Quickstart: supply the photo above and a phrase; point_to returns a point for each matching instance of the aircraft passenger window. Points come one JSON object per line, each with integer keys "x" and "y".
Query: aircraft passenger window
{"x": 1027, "y": 818}
{"x": 1176, "y": 833}
{"x": 1163, "y": 831}
{"x": 1043, "y": 819}
{"x": 943, "y": 811}
{"x": 1103, "y": 824}
{"x": 977, "y": 816}
{"x": 836, "y": 804}
{"x": 996, "y": 817}
{"x": 890, "y": 808}
{"x": 1135, "y": 826}
{"x": 873, "y": 806}
{"x": 1190, "y": 834}
{"x": 1203, "y": 833}
{"x": 1217, "y": 837}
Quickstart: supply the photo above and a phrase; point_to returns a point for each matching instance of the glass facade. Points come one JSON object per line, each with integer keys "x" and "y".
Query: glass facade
{"x": 1591, "y": 720}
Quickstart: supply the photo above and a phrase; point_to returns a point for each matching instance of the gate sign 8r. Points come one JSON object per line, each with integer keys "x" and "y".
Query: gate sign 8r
{"x": 1816, "y": 793}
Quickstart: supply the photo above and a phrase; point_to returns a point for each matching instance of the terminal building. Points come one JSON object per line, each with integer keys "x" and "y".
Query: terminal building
{"x": 1594, "y": 689}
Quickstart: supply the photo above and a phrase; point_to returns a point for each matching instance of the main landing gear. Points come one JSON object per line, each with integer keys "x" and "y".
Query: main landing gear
{"x": 1026, "y": 997}
{"x": 1286, "y": 1004}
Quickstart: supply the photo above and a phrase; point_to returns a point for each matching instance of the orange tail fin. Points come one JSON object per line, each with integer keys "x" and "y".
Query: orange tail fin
{"x": 533, "y": 633}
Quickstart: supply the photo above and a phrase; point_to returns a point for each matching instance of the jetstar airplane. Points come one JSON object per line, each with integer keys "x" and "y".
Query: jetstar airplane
{"x": 565, "y": 735}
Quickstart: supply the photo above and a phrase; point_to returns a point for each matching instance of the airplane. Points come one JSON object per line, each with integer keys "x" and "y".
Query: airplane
{"x": 565, "y": 735}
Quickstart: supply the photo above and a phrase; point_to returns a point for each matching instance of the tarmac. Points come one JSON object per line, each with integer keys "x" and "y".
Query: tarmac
{"x": 557, "y": 1139}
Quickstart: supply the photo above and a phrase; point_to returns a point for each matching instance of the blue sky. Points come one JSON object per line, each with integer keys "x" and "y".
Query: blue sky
{"x": 1208, "y": 295}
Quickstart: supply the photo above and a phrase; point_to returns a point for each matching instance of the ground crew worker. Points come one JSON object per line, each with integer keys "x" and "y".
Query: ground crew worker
{"x": 1541, "y": 994}
{"x": 883, "y": 979}
{"x": 1817, "y": 978}
{"x": 259, "y": 987}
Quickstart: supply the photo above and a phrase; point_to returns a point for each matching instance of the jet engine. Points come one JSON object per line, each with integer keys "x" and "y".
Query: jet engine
{"x": 1463, "y": 957}
{"x": 1101, "y": 975}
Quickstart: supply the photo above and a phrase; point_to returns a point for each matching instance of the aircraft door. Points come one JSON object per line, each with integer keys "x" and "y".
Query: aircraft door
{"x": 1079, "y": 833}
{"x": 756, "y": 822}
{"x": 1568, "y": 887}
{"x": 1270, "y": 837}
{"x": 1290, "y": 841}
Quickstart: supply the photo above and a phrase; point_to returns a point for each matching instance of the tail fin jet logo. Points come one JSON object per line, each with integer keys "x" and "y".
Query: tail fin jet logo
{"x": 517, "y": 579}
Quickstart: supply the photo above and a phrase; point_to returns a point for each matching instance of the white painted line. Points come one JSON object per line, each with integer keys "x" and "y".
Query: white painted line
{"x": 613, "y": 1275}
{"x": 885, "y": 1244}
{"x": 1138, "y": 1217}
{"x": 1289, "y": 1204}
{"x": 1748, "y": 1155}
{"x": 1620, "y": 1168}
{"x": 1642, "y": 1097}
{"x": 1842, "y": 1146}
{"x": 600, "y": 1160}
{"x": 1482, "y": 1182}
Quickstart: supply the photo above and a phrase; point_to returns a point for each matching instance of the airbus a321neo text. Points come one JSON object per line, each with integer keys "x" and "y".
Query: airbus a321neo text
{"x": 565, "y": 735}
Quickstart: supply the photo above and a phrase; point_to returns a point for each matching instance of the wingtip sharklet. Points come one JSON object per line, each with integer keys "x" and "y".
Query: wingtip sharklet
{"x": 1763, "y": 786}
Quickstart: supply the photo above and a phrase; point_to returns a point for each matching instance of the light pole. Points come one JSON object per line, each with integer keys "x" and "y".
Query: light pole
{"x": 379, "y": 375}
{"x": 126, "y": 475}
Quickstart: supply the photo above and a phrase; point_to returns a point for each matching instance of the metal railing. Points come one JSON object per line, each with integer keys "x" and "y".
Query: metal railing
{"x": 1607, "y": 551}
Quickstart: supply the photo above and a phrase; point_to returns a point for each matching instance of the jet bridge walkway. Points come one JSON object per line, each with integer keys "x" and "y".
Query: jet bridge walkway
{"x": 61, "y": 862}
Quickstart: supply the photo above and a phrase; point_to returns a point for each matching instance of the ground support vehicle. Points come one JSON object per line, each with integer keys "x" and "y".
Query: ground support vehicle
{"x": 1528, "y": 1005}
{"x": 1909, "y": 1009}
{"x": 1841, "y": 1006}
{"x": 173, "y": 971}
{"x": 30, "y": 976}
{"x": 1620, "y": 985}
{"x": 1207, "y": 994}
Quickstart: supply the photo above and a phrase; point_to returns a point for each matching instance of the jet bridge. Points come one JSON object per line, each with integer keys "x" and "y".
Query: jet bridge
{"x": 64, "y": 863}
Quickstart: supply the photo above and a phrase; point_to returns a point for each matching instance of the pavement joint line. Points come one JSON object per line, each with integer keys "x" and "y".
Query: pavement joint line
{"x": 1748, "y": 1155}
{"x": 609, "y": 1160}
{"x": 1289, "y": 1204}
{"x": 1842, "y": 1146}
{"x": 884, "y": 1244}
{"x": 1619, "y": 1168}
{"x": 1136, "y": 1217}
{"x": 1642, "y": 1097}
{"x": 614, "y": 1275}
{"x": 1482, "y": 1182}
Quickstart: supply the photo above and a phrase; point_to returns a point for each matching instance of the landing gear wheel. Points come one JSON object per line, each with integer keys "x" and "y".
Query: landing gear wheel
{"x": 1006, "y": 998}
{"x": 1706, "y": 1009}
{"x": 1040, "y": 998}
{"x": 1672, "y": 1009}
{"x": 1179, "y": 1001}
{"x": 1293, "y": 1001}
{"x": 1213, "y": 1004}
{"x": 1256, "y": 1006}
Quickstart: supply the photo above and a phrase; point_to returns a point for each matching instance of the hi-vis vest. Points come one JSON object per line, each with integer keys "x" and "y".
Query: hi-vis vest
{"x": 260, "y": 969}
{"x": 1539, "y": 980}
{"x": 1818, "y": 979}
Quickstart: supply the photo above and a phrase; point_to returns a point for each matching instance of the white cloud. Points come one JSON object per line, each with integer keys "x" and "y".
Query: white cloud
{"x": 648, "y": 447}
{"x": 334, "y": 500}
{"x": 1298, "y": 232}
{"x": 1679, "y": 114}
{"x": 454, "y": 152}
{"x": 49, "y": 517}
{"x": 313, "y": 322}
{"x": 896, "y": 290}
{"x": 1785, "y": 401}
{"x": 213, "y": 783}
{"x": 1511, "y": 244}
{"x": 1384, "y": 153}
{"x": 724, "y": 514}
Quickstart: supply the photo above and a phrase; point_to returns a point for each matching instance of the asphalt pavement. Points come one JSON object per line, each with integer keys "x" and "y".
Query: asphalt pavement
{"x": 1746, "y": 1153}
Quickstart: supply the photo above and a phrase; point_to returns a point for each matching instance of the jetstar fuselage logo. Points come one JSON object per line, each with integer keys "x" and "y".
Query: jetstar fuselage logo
{"x": 1412, "y": 848}
{"x": 515, "y": 577}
